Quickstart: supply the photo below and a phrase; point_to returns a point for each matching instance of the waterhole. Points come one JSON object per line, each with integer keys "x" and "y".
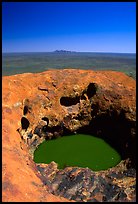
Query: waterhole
{"x": 78, "y": 150}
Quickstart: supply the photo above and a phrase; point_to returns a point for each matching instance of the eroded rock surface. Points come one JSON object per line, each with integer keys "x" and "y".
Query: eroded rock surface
{"x": 84, "y": 185}
{"x": 49, "y": 104}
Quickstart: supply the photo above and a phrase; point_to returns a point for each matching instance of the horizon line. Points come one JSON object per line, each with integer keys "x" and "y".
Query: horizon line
{"x": 70, "y": 52}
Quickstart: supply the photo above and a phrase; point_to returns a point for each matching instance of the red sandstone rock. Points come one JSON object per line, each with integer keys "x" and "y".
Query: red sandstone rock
{"x": 20, "y": 177}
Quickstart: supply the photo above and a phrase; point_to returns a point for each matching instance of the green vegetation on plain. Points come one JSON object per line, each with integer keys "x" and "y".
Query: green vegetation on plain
{"x": 14, "y": 63}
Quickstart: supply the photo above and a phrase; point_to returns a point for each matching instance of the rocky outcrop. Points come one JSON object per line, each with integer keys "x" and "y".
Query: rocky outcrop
{"x": 45, "y": 105}
{"x": 117, "y": 184}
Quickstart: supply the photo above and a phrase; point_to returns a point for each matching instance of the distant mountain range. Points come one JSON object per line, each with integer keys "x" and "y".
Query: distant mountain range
{"x": 64, "y": 51}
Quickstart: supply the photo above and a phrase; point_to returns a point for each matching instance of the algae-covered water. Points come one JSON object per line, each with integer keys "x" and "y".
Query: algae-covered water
{"x": 78, "y": 150}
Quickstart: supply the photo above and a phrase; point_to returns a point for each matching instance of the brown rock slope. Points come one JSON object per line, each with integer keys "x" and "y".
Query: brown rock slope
{"x": 52, "y": 103}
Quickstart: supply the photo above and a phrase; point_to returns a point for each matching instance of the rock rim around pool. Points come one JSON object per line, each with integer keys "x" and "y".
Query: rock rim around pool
{"x": 42, "y": 106}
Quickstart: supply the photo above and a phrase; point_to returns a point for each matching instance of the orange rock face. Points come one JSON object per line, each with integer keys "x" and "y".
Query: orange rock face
{"x": 48, "y": 93}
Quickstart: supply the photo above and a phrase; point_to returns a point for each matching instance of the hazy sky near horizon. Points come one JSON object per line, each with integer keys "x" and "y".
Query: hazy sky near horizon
{"x": 76, "y": 26}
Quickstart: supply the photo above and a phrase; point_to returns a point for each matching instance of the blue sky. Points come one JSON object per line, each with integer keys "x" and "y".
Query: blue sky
{"x": 76, "y": 26}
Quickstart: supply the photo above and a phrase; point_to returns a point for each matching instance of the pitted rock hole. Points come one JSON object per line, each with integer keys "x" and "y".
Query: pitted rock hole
{"x": 46, "y": 119}
{"x": 25, "y": 110}
{"x": 38, "y": 130}
{"x": 91, "y": 90}
{"x": 88, "y": 93}
{"x": 25, "y": 123}
{"x": 27, "y": 107}
{"x": 69, "y": 101}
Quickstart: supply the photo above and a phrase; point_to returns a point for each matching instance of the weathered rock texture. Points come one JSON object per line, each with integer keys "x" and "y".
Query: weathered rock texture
{"x": 40, "y": 106}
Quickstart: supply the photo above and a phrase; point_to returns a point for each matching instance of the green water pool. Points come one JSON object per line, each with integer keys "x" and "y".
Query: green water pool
{"x": 78, "y": 150}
